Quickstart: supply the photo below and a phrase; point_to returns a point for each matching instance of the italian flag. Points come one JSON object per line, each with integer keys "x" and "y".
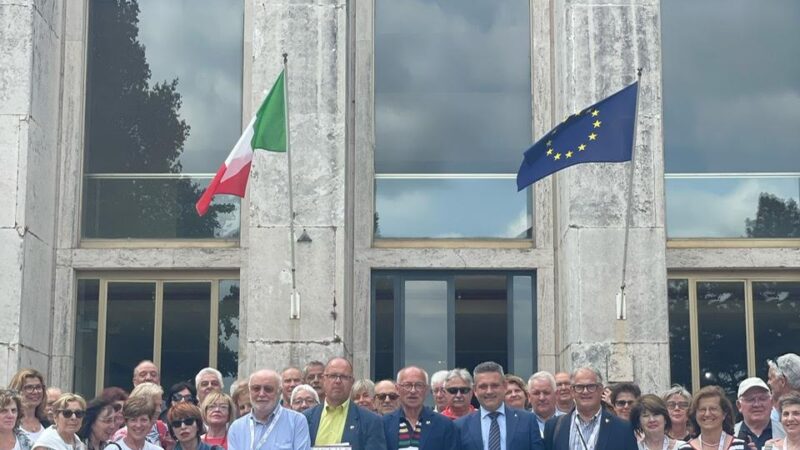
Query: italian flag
{"x": 266, "y": 131}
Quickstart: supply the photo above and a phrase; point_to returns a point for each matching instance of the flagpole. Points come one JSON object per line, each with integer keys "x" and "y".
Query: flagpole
{"x": 621, "y": 303}
{"x": 294, "y": 299}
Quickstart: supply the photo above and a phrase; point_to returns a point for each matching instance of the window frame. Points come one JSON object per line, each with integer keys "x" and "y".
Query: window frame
{"x": 104, "y": 278}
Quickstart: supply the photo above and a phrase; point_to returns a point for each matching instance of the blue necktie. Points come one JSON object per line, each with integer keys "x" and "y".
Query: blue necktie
{"x": 494, "y": 432}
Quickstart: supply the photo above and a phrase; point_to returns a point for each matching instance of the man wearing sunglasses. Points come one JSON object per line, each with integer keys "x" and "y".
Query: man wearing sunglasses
{"x": 387, "y": 400}
{"x": 496, "y": 426}
{"x": 589, "y": 426}
{"x": 268, "y": 425}
{"x": 458, "y": 386}
{"x": 414, "y": 425}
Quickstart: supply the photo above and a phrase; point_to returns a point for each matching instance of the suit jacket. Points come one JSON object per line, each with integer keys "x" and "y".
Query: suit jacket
{"x": 522, "y": 431}
{"x": 614, "y": 434}
{"x": 438, "y": 432}
{"x": 362, "y": 428}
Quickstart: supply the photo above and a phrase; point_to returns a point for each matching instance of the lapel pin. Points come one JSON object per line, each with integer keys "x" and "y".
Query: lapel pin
{"x": 427, "y": 422}
{"x": 352, "y": 427}
{"x": 607, "y": 420}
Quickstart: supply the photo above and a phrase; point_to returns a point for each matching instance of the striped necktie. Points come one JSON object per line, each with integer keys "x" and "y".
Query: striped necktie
{"x": 494, "y": 432}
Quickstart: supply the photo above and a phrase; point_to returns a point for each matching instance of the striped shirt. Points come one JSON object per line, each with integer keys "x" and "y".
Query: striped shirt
{"x": 408, "y": 438}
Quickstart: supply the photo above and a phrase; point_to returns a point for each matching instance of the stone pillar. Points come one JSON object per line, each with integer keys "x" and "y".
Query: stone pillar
{"x": 30, "y": 57}
{"x": 598, "y": 46}
{"x": 313, "y": 34}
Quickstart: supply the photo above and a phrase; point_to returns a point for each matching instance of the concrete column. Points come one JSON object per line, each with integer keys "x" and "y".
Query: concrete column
{"x": 598, "y": 46}
{"x": 313, "y": 34}
{"x": 30, "y": 57}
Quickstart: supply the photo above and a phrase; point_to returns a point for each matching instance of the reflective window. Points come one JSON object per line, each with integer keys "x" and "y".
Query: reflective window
{"x": 452, "y": 117}
{"x": 731, "y": 109}
{"x": 163, "y": 109}
{"x": 181, "y": 356}
{"x": 441, "y": 312}
{"x": 680, "y": 362}
{"x": 186, "y": 319}
{"x": 776, "y": 313}
{"x": 130, "y": 321}
{"x": 86, "y": 336}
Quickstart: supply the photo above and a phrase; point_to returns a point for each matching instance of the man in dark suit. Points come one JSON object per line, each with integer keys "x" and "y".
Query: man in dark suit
{"x": 337, "y": 420}
{"x": 414, "y": 425}
{"x": 589, "y": 426}
{"x": 495, "y": 426}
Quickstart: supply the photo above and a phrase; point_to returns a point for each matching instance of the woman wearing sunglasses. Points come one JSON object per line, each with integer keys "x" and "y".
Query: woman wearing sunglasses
{"x": 185, "y": 424}
{"x": 68, "y": 412}
{"x": 179, "y": 392}
{"x": 98, "y": 424}
{"x": 11, "y": 436}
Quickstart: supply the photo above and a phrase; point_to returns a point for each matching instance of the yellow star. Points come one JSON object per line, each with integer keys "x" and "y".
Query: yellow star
{"x": 597, "y": 123}
{"x": 557, "y": 157}
{"x": 592, "y": 137}
{"x": 549, "y": 151}
{"x": 569, "y": 154}
{"x": 595, "y": 113}
{"x": 582, "y": 147}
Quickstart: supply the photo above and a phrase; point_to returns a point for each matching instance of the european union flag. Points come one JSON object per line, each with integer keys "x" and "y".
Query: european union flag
{"x": 602, "y": 132}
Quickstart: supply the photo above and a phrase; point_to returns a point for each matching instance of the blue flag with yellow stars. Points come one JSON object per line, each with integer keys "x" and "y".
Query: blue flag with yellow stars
{"x": 602, "y": 132}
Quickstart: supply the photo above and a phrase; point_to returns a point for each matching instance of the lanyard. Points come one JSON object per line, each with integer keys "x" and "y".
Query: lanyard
{"x": 593, "y": 436}
{"x": 263, "y": 439}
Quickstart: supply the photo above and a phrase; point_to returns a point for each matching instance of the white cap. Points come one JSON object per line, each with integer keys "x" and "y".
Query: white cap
{"x": 750, "y": 383}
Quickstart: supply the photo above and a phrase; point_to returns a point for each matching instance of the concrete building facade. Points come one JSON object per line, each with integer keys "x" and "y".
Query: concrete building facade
{"x": 580, "y": 52}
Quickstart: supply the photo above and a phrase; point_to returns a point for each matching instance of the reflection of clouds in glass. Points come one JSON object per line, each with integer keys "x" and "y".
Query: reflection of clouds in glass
{"x": 731, "y": 85}
{"x": 452, "y": 83}
{"x": 450, "y": 208}
{"x": 718, "y": 208}
{"x": 200, "y": 43}
{"x": 425, "y": 312}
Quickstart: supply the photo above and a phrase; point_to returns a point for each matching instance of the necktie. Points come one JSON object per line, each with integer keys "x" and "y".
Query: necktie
{"x": 494, "y": 432}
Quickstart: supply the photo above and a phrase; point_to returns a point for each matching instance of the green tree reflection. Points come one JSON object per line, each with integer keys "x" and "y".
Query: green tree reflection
{"x": 228, "y": 348}
{"x": 775, "y": 218}
{"x": 134, "y": 126}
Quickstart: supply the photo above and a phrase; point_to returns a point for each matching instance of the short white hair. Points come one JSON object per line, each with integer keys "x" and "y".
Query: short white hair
{"x": 424, "y": 372}
{"x": 788, "y": 366}
{"x": 543, "y": 375}
{"x": 212, "y": 371}
{"x": 596, "y": 373}
{"x": 304, "y": 387}
{"x": 461, "y": 374}
{"x": 439, "y": 377}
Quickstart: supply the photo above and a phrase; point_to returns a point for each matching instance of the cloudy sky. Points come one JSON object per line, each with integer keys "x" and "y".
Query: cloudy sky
{"x": 200, "y": 43}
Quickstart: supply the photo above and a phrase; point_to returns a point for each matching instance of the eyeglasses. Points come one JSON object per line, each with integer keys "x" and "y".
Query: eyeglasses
{"x": 189, "y": 421}
{"x": 677, "y": 405}
{"x": 207, "y": 383}
{"x": 338, "y": 377}
{"x": 31, "y": 388}
{"x": 68, "y": 413}
{"x": 563, "y": 384}
{"x": 590, "y": 388}
{"x": 458, "y": 390}
{"x": 411, "y": 386}
{"x": 391, "y": 396}
{"x": 755, "y": 399}
{"x": 217, "y": 406}
{"x": 624, "y": 403}
{"x": 182, "y": 398}
{"x": 304, "y": 401}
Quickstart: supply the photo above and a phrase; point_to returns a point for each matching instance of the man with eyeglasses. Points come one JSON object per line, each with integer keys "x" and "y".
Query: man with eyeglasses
{"x": 496, "y": 426}
{"x": 268, "y": 425}
{"x": 458, "y": 386}
{"x": 440, "y": 397}
{"x": 387, "y": 400}
{"x": 337, "y": 420}
{"x": 414, "y": 426}
{"x": 755, "y": 404}
{"x": 564, "y": 402}
{"x": 208, "y": 380}
{"x": 589, "y": 426}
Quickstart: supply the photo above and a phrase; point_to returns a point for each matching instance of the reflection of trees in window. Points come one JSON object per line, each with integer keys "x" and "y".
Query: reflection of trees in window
{"x": 679, "y": 335}
{"x": 228, "y": 348}
{"x": 775, "y": 218}
{"x": 776, "y": 309}
{"x": 134, "y": 126}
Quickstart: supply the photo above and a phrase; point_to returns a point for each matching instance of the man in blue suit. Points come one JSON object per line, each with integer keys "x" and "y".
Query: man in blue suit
{"x": 589, "y": 426}
{"x": 415, "y": 425}
{"x": 495, "y": 426}
{"x": 338, "y": 420}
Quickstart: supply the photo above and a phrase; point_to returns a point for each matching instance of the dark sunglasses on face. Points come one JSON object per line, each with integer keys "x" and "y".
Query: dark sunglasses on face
{"x": 391, "y": 396}
{"x": 67, "y": 413}
{"x": 623, "y": 403}
{"x": 460, "y": 390}
{"x": 189, "y": 421}
{"x": 182, "y": 398}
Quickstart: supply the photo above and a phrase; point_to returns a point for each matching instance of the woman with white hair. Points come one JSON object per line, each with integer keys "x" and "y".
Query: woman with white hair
{"x": 207, "y": 380}
{"x": 440, "y": 397}
{"x": 678, "y": 400}
{"x": 303, "y": 397}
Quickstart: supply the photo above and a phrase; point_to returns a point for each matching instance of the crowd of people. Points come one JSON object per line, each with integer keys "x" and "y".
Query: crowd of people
{"x": 323, "y": 405}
